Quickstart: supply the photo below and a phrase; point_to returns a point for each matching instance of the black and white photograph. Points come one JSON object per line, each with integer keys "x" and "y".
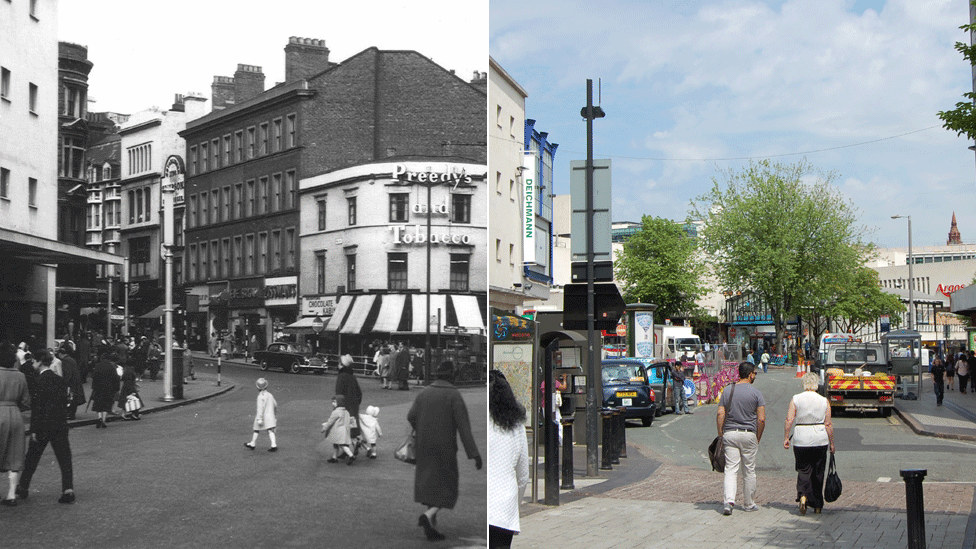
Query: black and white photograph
{"x": 244, "y": 285}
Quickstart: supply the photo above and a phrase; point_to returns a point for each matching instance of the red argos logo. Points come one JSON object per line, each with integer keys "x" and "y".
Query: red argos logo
{"x": 946, "y": 290}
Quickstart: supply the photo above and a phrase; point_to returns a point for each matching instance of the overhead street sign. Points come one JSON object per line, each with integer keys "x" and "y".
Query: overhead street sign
{"x": 608, "y": 306}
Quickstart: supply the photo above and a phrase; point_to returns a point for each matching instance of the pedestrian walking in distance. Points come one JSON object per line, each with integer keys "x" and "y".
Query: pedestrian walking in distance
{"x": 14, "y": 400}
{"x": 439, "y": 416}
{"x": 950, "y": 367}
{"x": 938, "y": 371}
{"x": 336, "y": 431}
{"x": 49, "y": 424}
{"x": 266, "y": 417}
{"x": 105, "y": 385}
{"x": 962, "y": 371}
{"x": 508, "y": 461}
{"x": 813, "y": 435}
{"x": 741, "y": 420}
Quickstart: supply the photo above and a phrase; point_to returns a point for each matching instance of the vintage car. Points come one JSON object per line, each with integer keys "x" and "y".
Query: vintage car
{"x": 626, "y": 384}
{"x": 290, "y": 357}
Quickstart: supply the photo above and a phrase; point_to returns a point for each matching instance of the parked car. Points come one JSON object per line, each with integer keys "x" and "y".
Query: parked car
{"x": 290, "y": 357}
{"x": 625, "y": 384}
{"x": 656, "y": 371}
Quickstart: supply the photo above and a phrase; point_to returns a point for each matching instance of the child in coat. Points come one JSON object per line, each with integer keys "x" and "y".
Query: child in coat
{"x": 266, "y": 418}
{"x": 336, "y": 430}
{"x": 370, "y": 427}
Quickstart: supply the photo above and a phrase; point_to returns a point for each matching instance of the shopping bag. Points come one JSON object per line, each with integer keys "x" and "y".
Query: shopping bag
{"x": 133, "y": 403}
{"x": 405, "y": 452}
{"x": 833, "y": 487}
{"x": 716, "y": 454}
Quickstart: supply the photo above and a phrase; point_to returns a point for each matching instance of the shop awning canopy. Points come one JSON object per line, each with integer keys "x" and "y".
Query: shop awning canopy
{"x": 357, "y": 316}
{"x": 305, "y": 325}
{"x": 37, "y": 250}
{"x": 403, "y": 314}
{"x": 157, "y": 312}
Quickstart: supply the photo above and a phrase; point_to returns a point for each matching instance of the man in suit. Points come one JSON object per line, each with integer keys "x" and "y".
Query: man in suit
{"x": 49, "y": 424}
{"x": 402, "y": 367}
{"x": 72, "y": 379}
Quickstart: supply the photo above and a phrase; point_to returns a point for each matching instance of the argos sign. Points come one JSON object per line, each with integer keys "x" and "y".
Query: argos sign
{"x": 948, "y": 289}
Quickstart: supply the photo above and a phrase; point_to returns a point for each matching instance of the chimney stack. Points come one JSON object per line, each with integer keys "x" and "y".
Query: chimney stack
{"x": 305, "y": 57}
{"x": 248, "y": 82}
{"x": 194, "y": 105}
{"x": 221, "y": 92}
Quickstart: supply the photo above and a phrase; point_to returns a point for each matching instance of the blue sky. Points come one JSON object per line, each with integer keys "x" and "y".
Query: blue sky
{"x": 692, "y": 88}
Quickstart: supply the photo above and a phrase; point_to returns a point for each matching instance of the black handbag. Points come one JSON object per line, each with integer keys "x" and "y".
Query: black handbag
{"x": 833, "y": 486}
{"x": 716, "y": 450}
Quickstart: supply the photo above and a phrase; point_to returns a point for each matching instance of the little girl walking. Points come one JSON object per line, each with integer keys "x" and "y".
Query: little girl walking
{"x": 370, "y": 427}
{"x": 336, "y": 430}
{"x": 266, "y": 418}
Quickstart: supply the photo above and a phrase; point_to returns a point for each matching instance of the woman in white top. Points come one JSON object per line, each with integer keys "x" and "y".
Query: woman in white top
{"x": 813, "y": 434}
{"x": 508, "y": 461}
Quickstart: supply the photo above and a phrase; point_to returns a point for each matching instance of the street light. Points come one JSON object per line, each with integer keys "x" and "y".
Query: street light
{"x": 317, "y": 327}
{"x": 911, "y": 276}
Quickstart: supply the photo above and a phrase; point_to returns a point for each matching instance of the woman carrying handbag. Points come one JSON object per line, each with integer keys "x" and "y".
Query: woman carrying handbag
{"x": 813, "y": 434}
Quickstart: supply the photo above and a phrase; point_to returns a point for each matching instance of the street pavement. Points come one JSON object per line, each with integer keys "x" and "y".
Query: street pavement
{"x": 646, "y": 501}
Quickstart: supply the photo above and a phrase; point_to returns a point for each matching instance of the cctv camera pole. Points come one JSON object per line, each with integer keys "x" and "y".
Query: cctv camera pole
{"x": 593, "y": 375}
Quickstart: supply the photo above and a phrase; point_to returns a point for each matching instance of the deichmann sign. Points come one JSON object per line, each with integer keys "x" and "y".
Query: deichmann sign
{"x": 528, "y": 209}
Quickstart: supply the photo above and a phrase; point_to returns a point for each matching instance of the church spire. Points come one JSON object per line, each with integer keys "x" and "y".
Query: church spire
{"x": 954, "y": 236}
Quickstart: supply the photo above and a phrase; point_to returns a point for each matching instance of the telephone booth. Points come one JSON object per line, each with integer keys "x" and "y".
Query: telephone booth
{"x": 903, "y": 352}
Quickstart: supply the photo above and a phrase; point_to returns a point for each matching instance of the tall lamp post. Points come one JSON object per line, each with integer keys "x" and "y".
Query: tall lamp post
{"x": 911, "y": 276}
{"x": 168, "y": 190}
{"x": 317, "y": 326}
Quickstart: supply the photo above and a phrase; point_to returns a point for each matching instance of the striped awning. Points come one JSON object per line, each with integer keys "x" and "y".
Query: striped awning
{"x": 420, "y": 315}
{"x": 391, "y": 311}
{"x": 358, "y": 313}
{"x": 468, "y": 312}
{"x": 339, "y": 315}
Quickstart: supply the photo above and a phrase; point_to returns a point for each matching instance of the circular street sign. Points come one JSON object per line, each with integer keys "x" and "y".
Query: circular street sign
{"x": 621, "y": 330}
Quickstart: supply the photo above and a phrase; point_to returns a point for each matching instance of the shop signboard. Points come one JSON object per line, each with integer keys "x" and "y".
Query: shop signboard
{"x": 318, "y": 305}
{"x": 281, "y": 291}
{"x": 246, "y": 293}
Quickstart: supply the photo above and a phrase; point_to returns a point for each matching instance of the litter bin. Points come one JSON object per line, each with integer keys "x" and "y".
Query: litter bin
{"x": 178, "y": 373}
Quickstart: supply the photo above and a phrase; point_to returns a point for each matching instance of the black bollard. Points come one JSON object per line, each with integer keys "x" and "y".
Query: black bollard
{"x": 914, "y": 503}
{"x": 607, "y": 457}
{"x": 567, "y": 483}
{"x": 622, "y": 438}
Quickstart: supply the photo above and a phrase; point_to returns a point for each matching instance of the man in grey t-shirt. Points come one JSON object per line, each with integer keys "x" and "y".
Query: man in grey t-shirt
{"x": 741, "y": 420}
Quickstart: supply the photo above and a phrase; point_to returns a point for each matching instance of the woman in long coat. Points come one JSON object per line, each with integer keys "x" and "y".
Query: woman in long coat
{"x": 14, "y": 399}
{"x": 347, "y": 386}
{"x": 438, "y": 416}
{"x": 105, "y": 385}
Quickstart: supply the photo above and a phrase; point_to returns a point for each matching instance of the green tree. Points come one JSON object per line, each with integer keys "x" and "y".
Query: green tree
{"x": 784, "y": 232}
{"x": 863, "y": 302}
{"x": 657, "y": 266}
{"x": 962, "y": 119}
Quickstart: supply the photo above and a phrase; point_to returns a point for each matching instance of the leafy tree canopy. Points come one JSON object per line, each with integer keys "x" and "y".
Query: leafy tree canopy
{"x": 962, "y": 119}
{"x": 862, "y": 302}
{"x": 657, "y": 265}
{"x": 782, "y": 231}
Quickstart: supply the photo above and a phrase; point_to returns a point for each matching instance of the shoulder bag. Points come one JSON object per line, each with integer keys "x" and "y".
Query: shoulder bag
{"x": 833, "y": 487}
{"x": 716, "y": 450}
{"x": 405, "y": 452}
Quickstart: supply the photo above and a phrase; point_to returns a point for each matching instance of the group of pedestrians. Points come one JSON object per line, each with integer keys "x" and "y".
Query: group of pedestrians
{"x": 438, "y": 417}
{"x": 963, "y": 366}
{"x": 393, "y": 366}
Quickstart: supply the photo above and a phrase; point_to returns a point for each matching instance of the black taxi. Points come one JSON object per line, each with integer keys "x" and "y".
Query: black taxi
{"x": 626, "y": 385}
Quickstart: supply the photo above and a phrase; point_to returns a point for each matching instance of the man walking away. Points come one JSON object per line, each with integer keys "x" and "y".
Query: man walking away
{"x": 938, "y": 372}
{"x": 765, "y": 361}
{"x": 741, "y": 420}
{"x": 49, "y": 425}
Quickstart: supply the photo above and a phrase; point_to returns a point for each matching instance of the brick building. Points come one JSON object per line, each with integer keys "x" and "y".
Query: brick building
{"x": 245, "y": 160}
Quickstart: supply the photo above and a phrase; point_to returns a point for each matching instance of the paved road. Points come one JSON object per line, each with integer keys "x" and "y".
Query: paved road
{"x": 182, "y": 478}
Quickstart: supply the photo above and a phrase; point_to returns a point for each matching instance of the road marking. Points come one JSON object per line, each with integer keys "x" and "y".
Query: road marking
{"x": 884, "y": 479}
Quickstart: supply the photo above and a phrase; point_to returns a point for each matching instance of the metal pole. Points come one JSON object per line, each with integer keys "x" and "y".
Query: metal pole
{"x": 427, "y": 315}
{"x": 592, "y": 407}
{"x": 915, "y": 506}
{"x": 108, "y": 329}
{"x": 911, "y": 279}
{"x": 125, "y": 290}
{"x": 167, "y": 195}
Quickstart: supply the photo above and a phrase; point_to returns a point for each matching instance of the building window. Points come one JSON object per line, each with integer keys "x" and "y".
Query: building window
{"x": 225, "y": 257}
{"x": 320, "y": 271}
{"x": 276, "y": 135}
{"x": 139, "y": 204}
{"x": 460, "y": 208}
{"x": 214, "y": 259}
{"x": 204, "y": 208}
{"x": 31, "y": 192}
{"x": 511, "y": 190}
{"x": 350, "y": 272}
{"x": 249, "y": 200}
{"x": 511, "y": 254}
{"x": 193, "y": 262}
{"x": 290, "y": 131}
{"x": 215, "y": 206}
{"x": 5, "y": 83}
{"x": 238, "y": 200}
{"x": 249, "y": 260}
{"x": 289, "y": 248}
{"x": 397, "y": 271}
{"x": 147, "y": 196}
{"x": 498, "y": 250}
{"x": 262, "y": 265}
{"x": 277, "y": 198}
{"x": 74, "y": 102}
{"x": 498, "y": 183}
{"x": 351, "y": 206}
{"x": 72, "y": 157}
{"x": 263, "y": 195}
{"x": 238, "y": 145}
{"x": 139, "y": 256}
{"x": 263, "y": 138}
{"x": 274, "y": 251}
{"x": 291, "y": 189}
{"x": 193, "y": 160}
{"x": 226, "y": 203}
{"x": 32, "y": 98}
{"x": 459, "y": 272}
{"x": 250, "y": 142}
{"x": 215, "y": 154}
{"x": 132, "y": 207}
{"x": 178, "y": 229}
{"x": 321, "y": 203}
{"x": 204, "y": 157}
{"x": 226, "y": 150}
{"x": 238, "y": 256}
{"x": 399, "y": 208}
{"x": 5, "y": 184}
